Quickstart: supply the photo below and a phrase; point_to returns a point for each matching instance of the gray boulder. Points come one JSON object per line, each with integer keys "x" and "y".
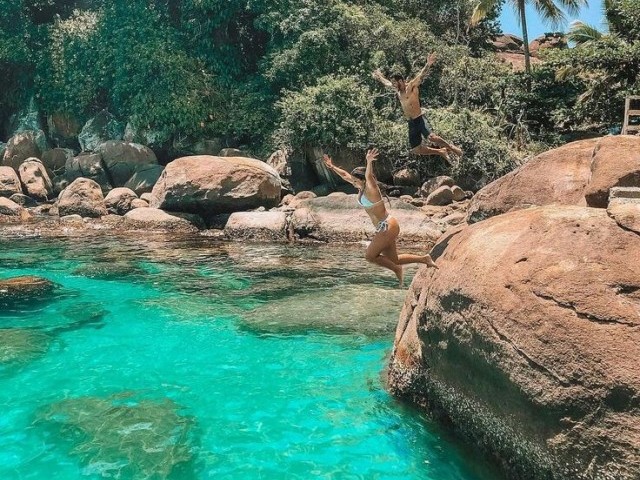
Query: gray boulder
{"x": 99, "y": 129}
{"x": 123, "y": 159}
{"x": 88, "y": 165}
{"x": 55, "y": 160}
{"x": 435, "y": 183}
{"x": 144, "y": 179}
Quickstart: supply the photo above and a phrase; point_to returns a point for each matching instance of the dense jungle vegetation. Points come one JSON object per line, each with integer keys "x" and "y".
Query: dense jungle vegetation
{"x": 263, "y": 74}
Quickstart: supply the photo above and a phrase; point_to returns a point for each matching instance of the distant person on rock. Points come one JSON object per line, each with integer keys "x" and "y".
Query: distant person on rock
{"x": 419, "y": 128}
{"x": 382, "y": 249}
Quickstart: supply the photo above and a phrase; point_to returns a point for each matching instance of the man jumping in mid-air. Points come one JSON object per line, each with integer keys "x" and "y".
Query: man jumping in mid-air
{"x": 409, "y": 96}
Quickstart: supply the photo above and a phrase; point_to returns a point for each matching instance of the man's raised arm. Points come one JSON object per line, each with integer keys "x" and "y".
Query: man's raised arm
{"x": 424, "y": 72}
{"x": 377, "y": 74}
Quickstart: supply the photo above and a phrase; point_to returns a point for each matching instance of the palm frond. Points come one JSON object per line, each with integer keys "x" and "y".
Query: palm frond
{"x": 573, "y": 6}
{"x": 582, "y": 33}
{"x": 550, "y": 12}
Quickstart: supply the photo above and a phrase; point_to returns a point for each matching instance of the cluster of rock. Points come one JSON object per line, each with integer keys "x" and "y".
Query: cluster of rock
{"x": 527, "y": 338}
{"x": 510, "y": 48}
{"x": 118, "y": 184}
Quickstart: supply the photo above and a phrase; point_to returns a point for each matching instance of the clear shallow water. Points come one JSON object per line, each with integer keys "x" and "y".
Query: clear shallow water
{"x": 194, "y": 360}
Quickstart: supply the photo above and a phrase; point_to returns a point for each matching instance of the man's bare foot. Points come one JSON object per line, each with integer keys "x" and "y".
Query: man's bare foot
{"x": 456, "y": 150}
{"x": 444, "y": 153}
{"x": 428, "y": 261}
{"x": 400, "y": 275}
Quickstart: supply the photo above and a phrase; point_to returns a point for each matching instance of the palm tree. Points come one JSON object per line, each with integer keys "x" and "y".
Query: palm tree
{"x": 549, "y": 10}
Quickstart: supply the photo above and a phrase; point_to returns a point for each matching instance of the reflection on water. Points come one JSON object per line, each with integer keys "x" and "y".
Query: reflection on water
{"x": 186, "y": 359}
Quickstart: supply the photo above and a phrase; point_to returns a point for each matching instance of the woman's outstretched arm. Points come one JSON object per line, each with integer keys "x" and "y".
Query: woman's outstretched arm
{"x": 346, "y": 176}
{"x": 372, "y": 156}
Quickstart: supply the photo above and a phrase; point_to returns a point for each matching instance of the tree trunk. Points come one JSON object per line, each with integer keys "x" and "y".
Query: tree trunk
{"x": 525, "y": 40}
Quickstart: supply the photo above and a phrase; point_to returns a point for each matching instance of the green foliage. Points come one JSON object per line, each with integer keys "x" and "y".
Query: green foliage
{"x": 487, "y": 155}
{"x": 337, "y": 111}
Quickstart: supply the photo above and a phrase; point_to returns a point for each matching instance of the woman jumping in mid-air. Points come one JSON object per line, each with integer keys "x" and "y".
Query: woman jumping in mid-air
{"x": 382, "y": 249}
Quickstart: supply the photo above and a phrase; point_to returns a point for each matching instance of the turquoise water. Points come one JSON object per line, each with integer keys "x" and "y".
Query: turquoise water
{"x": 187, "y": 359}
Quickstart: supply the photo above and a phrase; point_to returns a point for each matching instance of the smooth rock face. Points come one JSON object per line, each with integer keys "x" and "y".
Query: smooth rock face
{"x": 144, "y": 179}
{"x": 88, "y": 166}
{"x": 558, "y": 176}
{"x": 101, "y": 128}
{"x": 138, "y": 203}
{"x": 210, "y": 185}
{"x": 339, "y": 218}
{"x": 528, "y": 340}
{"x": 123, "y": 159}
{"x": 119, "y": 200}
{"x": 35, "y": 179}
{"x": 21, "y": 146}
{"x": 257, "y": 226}
{"x": 9, "y": 182}
{"x": 616, "y": 163}
{"x": 154, "y": 218}
{"x": 83, "y": 197}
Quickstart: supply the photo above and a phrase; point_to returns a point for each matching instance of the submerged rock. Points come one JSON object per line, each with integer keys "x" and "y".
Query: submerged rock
{"x": 363, "y": 309}
{"x": 121, "y": 436}
{"x": 527, "y": 339}
{"x": 22, "y": 345}
{"x": 20, "y": 290}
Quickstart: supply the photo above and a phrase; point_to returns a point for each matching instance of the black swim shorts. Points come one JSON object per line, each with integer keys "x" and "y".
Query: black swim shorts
{"x": 417, "y": 129}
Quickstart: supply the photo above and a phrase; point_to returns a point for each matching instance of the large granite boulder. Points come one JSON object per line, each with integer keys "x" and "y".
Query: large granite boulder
{"x": 508, "y": 42}
{"x": 144, "y": 179}
{"x": 82, "y": 197}
{"x": 101, "y": 128}
{"x": 435, "y": 183}
{"x": 35, "y": 179}
{"x": 558, "y": 176}
{"x": 9, "y": 182}
{"x": 616, "y": 163}
{"x": 119, "y": 200}
{"x": 123, "y": 159}
{"x": 21, "y": 146}
{"x": 527, "y": 340}
{"x": 339, "y": 218}
{"x": 88, "y": 165}
{"x": 210, "y": 185}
